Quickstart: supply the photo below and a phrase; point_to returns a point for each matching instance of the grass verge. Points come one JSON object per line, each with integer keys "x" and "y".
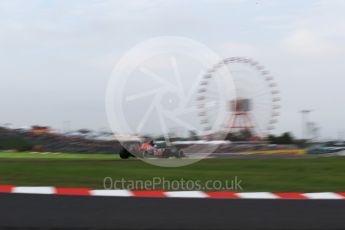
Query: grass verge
{"x": 57, "y": 156}
{"x": 77, "y": 170}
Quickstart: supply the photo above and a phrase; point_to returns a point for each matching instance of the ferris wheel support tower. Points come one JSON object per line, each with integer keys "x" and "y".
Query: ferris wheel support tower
{"x": 240, "y": 117}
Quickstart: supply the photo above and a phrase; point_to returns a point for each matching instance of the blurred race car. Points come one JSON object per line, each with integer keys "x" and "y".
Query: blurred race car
{"x": 158, "y": 149}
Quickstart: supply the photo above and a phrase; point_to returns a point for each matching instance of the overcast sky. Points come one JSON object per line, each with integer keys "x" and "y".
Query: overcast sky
{"x": 56, "y": 56}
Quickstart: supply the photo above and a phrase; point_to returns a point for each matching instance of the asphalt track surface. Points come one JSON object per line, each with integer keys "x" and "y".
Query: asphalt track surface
{"x": 23, "y": 211}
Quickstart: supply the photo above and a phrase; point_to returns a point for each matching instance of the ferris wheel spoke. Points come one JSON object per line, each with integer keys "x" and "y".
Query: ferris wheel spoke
{"x": 273, "y": 107}
{"x": 269, "y": 105}
{"x": 182, "y": 111}
{"x": 260, "y": 95}
{"x": 261, "y": 102}
{"x": 195, "y": 109}
{"x": 211, "y": 104}
{"x": 212, "y": 97}
{"x": 258, "y": 110}
{"x": 212, "y": 91}
{"x": 207, "y": 106}
{"x": 263, "y": 89}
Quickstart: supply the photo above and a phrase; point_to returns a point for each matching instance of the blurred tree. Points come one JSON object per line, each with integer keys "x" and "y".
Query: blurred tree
{"x": 242, "y": 135}
{"x": 13, "y": 142}
{"x": 284, "y": 139}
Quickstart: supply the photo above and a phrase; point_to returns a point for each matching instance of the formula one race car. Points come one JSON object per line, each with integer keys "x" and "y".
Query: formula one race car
{"x": 152, "y": 149}
{"x": 160, "y": 149}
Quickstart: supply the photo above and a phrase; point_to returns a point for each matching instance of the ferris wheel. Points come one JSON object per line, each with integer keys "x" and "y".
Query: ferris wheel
{"x": 256, "y": 104}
